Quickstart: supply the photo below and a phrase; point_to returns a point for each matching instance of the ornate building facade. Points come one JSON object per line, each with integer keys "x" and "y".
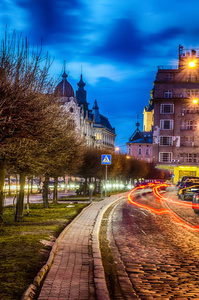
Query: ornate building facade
{"x": 91, "y": 125}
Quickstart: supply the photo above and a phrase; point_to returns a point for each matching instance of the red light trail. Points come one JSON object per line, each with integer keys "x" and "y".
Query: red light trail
{"x": 162, "y": 199}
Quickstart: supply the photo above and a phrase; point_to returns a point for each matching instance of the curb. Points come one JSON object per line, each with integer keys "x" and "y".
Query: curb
{"x": 31, "y": 291}
{"x": 99, "y": 275}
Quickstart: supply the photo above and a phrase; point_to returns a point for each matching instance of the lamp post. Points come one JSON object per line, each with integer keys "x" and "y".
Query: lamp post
{"x": 91, "y": 187}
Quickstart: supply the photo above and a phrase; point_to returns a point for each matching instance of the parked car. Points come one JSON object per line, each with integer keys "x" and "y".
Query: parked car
{"x": 190, "y": 182}
{"x": 188, "y": 193}
{"x": 195, "y": 203}
{"x": 187, "y": 182}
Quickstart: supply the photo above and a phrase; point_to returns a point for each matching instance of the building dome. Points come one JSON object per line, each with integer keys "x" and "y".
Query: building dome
{"x": 64, "y": 88}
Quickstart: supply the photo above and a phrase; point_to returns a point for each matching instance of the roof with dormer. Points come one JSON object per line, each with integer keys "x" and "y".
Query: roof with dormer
{"x": 144, "y": 137}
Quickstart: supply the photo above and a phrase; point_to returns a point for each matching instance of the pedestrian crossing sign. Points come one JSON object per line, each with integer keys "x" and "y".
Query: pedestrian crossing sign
{"x": 106, "y": 159}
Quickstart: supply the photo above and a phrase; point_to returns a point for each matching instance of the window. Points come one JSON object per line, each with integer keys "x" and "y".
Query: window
{"x": 167, "y": 108}
{"x": 169, "y": 77}
{"x": 187, "y": 125}
{"x": 98, "y": 136}
{"x": 192, "y": 93}
{"x": 168, "y": 94}
{"x": 187, "y": 141}
{"x": 191, "y": 77}
{"x": 191, "y": 157}
{"x": 165, "y": 157}
{"x": 129, "y": 150}
{"x": 166, "y": 124}
{"x": 147, "y": 151}
{"x": 140, "y": 151}
{"x": 71, "y": 109}
{"x": 166, "y": 141}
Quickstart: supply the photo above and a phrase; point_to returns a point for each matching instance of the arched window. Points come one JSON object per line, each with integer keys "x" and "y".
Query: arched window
{"x": 71, "y": 110}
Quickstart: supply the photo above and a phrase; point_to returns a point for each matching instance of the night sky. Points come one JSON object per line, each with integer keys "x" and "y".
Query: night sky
{"x": 117, "y": 45}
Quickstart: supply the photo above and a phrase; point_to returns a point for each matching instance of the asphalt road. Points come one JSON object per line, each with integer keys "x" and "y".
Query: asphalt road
{"x": 157, "y": 257}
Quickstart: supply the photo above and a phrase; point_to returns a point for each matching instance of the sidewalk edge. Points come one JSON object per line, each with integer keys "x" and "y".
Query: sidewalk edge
{"x": 31, "y": 291}
{"x": 99, "y": 275}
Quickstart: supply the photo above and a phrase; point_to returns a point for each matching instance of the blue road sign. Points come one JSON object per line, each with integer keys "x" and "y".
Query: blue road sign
{"x": 106, "y": 159}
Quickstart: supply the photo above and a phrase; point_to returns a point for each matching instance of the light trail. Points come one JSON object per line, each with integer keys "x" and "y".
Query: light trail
{"x": 162, "y": 211}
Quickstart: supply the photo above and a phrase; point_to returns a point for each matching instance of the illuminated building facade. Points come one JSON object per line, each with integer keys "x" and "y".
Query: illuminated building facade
{"x": 176, "y": 116}
{"x": 91, "y": 125}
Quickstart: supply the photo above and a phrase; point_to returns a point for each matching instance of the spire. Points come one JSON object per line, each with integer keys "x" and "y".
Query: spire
{"x": 81, "y": 94}
{"x": 81, "y": 83}
{"x": 95, "y": 105}
{"x": 137, "y": 123}
{"x": 64, "y": 75}
{"x": 96, "y": 113}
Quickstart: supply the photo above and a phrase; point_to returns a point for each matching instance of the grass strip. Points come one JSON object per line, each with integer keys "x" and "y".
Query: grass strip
{"x": 25, "y": 246}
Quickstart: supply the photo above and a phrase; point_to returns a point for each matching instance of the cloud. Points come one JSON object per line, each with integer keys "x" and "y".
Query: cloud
{"x": 127, "y": 43}
{"x": 54, "y": 21}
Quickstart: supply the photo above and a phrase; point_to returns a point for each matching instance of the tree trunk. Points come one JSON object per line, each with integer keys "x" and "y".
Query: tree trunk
{"x": 9, "y": 187}
{"x": 20, "y": 199}
{"x": 31, "y": 188}
{"x": 28, "y": 197}
{"x": 55, "y": 189}
{"x": 45, "y": 192}
{"x": 2, "y": 181}
{"x": 85, "y": 186}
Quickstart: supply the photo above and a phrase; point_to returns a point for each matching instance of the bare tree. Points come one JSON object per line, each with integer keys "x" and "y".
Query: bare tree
{"x": 25, "y": 93}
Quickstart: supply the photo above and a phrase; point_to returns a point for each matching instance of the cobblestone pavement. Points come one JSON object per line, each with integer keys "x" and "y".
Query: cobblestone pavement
{"x": 77, "y": 271}
{"x": 156, "y": 259}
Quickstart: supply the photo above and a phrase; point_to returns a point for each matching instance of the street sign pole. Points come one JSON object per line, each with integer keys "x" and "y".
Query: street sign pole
{"x": 106, "y": 160}
{"x": 106, "y": 182}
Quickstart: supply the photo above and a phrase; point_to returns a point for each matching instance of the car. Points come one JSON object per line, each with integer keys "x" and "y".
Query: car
{"x": 195, "y": 203}
{"x": 190, "y": 182}
{"x": 189, "y": 177}
{"x": 187, "y": 182}
{"x": 188, "y": 193}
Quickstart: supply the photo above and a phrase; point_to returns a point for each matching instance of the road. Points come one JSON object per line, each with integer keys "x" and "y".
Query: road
{"x": 155, "y": 252}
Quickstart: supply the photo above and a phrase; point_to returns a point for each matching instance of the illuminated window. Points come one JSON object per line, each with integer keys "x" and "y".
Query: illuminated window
{"x": 166, "y": 141}
{"x": 192, "y": 93}
{"x": 168, "y": 94}
{"x": 167, "y": 108}
{"x": 166, "y": 124}
{"x": 98, "y": 136}
{"x": 165, "y": 157}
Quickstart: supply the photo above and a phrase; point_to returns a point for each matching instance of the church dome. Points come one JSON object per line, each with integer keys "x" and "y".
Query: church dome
{"x": 64, "y": 88}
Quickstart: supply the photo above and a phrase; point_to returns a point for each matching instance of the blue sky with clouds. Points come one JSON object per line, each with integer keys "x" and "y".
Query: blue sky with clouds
{"x": 117, "y": 45}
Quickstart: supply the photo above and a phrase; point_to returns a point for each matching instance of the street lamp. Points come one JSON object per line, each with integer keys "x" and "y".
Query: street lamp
{"x": 91, "y": 188}
{"x": 191, "y": 63}
{"x": 117, "y": 149}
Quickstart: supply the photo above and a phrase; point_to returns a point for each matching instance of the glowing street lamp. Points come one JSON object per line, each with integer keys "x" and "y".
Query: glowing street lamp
{"x": 195, "y": 101}
{"x": 192, "y": 64}
{"x": 117, "y": 149}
